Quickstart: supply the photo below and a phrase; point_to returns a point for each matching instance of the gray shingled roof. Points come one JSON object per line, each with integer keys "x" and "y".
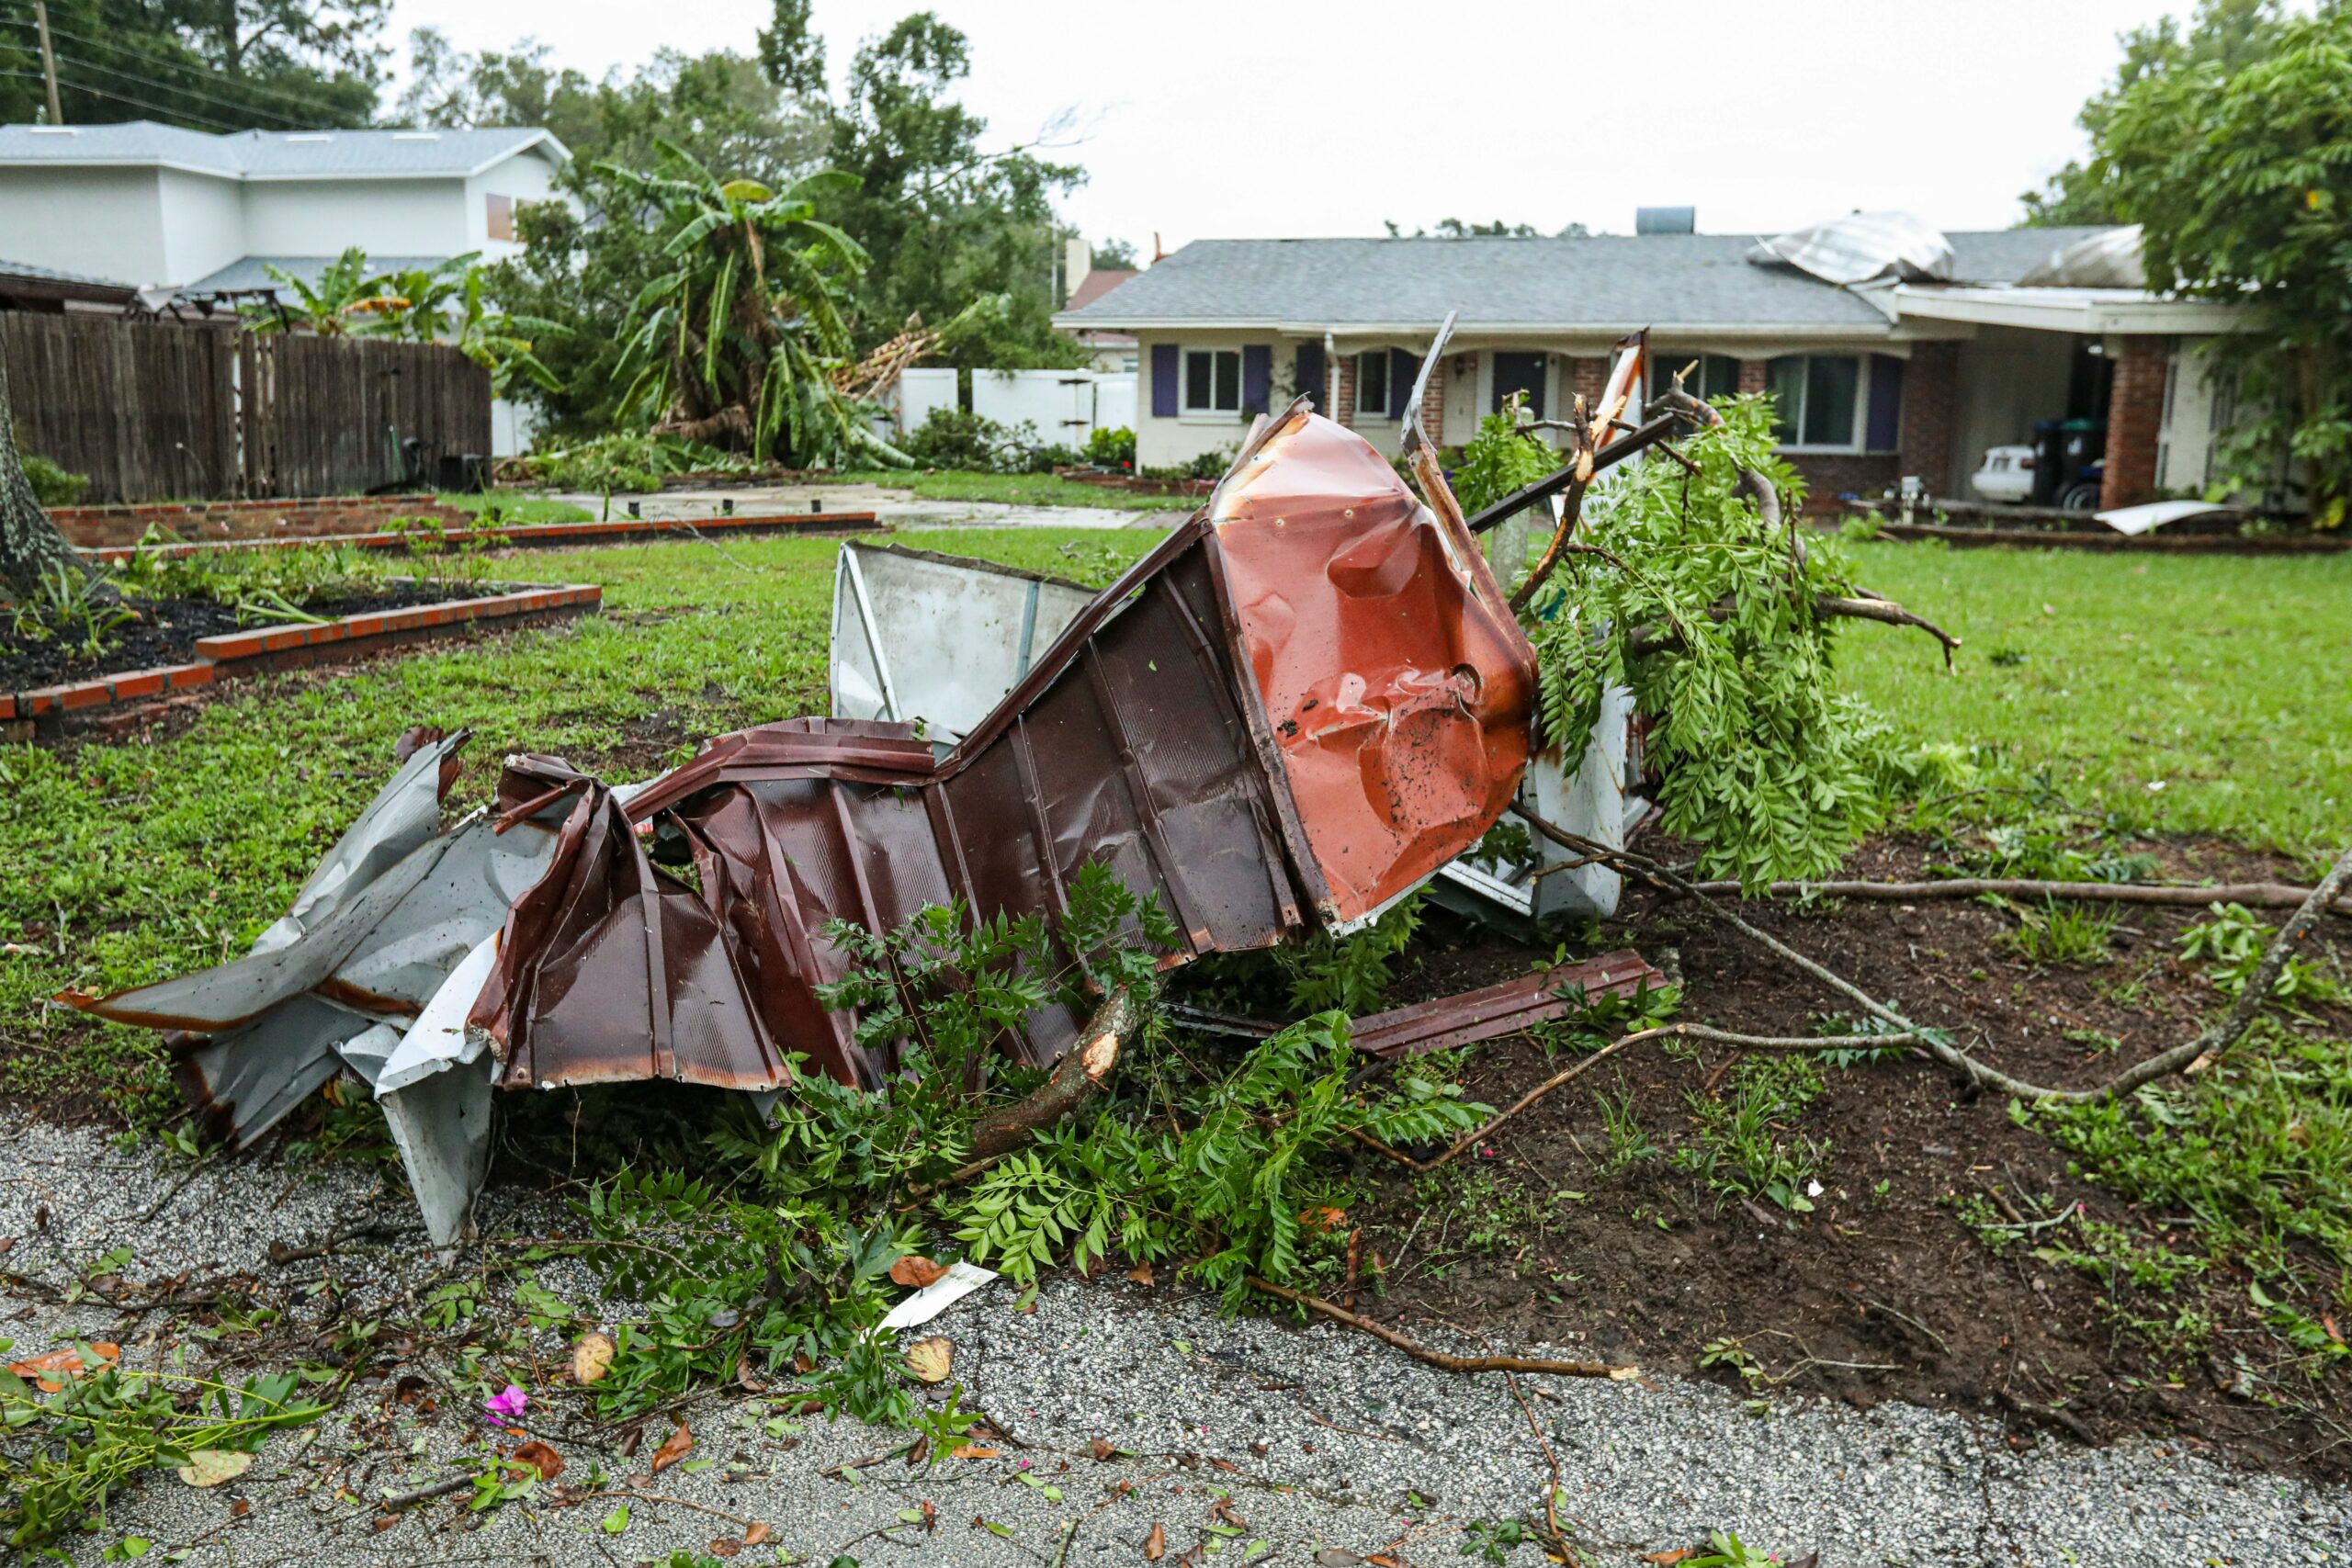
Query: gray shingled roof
{"x": 1604, "y": 281}
{"x": 276, "y": 155}
{"x": 50, "y": 275}
{"x": 251, "y": 272}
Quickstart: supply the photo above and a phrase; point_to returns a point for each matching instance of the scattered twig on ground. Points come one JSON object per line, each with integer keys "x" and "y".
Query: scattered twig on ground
{"x": 426, "y": 1494}
{"x": 1451, "y": 1363}
{"x": 2253, "y": 895}
{"x": 2220, "y": 1037}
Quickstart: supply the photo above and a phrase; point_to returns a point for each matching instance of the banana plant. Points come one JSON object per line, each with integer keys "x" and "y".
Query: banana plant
{"x": 737, "y": 344}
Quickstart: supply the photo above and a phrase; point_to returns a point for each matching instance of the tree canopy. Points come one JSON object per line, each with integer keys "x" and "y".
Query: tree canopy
{"x": 2238, "y": 165}
{"x": 208, "y": 64}
{"x": 2225, "y": 34}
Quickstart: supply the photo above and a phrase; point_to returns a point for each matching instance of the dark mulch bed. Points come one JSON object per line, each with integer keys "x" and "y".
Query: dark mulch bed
{"x": 167, "y": 633}
{"x": 1648, "y": 1266}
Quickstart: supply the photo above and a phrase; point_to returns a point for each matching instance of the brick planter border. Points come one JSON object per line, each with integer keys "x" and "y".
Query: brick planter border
{"x": 527, "y": 535}
{"x": 50, "y": 709}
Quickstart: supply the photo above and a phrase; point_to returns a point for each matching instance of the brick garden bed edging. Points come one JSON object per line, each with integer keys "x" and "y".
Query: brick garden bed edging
{"x": 51, "y": 709}
{"x": 525, "y": 535}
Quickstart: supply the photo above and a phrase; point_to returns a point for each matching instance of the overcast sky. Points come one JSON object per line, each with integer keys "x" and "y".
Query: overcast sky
{"x": 1245, "y": 118}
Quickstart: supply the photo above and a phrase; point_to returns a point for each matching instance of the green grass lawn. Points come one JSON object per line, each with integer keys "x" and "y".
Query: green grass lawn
{"x": 1018, "y": 489}
{"x": 2227, "y": 680}
{"x": 2224, "y": 680}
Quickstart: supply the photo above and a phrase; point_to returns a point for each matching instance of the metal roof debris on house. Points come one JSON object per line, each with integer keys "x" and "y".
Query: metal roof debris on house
{"x": 1305, "y": 700}
{"x": 1860, "y": 247}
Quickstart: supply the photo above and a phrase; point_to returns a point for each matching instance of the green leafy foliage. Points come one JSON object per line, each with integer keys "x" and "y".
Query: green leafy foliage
{"x": 735, "y": 342}
{"x": 2257, "y": 1153}
{"x": 1111, "y": 448}
{"x": 2237, "y": 161}
{"x": 2230, "y": 943}
{"x": 783, "y": 1252}
{"x": 63, "y": 1454}
{"x": 53, "y": 485}
{"x": 1500, "y": 459}
{"x": 1743, "y": 1142}
{"x": 1768, "y": 767}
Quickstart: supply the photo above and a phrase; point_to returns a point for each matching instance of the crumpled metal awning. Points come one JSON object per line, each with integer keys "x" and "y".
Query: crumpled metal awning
{"x": 1297, "y": 708}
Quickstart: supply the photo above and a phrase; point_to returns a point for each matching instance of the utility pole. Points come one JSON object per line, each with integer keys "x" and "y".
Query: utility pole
{"x": 48, "y": 61}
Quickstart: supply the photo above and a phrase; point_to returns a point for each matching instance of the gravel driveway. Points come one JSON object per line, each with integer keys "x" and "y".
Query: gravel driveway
{"x": 1247, "y": 1436}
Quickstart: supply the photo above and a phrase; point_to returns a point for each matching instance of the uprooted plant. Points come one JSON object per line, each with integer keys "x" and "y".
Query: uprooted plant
{"x": 780, "y": 1263}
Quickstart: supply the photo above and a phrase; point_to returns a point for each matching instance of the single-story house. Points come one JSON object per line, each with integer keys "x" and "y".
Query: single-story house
{"x": 24, "y": 287}
{"x": 1913, "y": 372}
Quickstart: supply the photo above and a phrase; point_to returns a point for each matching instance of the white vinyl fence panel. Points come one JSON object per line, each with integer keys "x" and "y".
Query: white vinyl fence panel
{"x": 920, "y": 391}
{"x": 1064, "y": 407}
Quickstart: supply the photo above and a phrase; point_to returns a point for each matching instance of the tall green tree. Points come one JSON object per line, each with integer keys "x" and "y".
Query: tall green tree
{"x": 2241, "y": 176}
{"x": 945, "y": 218}
{"x": 216, "y": 65}
{"x": 2225, "y": 34}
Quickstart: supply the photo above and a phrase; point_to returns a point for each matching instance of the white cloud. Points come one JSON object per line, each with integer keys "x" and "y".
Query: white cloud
{"x": 1244, "y": 118}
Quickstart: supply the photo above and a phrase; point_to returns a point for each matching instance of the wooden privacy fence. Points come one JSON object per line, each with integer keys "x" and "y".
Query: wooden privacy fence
{"x": 159, "y": 411}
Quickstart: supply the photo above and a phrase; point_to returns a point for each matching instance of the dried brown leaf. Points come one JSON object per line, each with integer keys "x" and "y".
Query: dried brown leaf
{"x": 1101, "y": 1448}
{"x": 675, "y": 1447}
{"x": 915, "y": 1271}
{"x": 540, "y": 1457}
{"x": 757, "y": 1535}
{"x": 1155, "y": 1545}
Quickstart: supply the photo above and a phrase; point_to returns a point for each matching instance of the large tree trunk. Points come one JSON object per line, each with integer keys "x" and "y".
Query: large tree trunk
{"x": 32, "y": 552}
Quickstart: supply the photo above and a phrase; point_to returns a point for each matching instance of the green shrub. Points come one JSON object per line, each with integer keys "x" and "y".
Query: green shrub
{"x": 52, "y": 485}
{"x": 1111, "y": 448}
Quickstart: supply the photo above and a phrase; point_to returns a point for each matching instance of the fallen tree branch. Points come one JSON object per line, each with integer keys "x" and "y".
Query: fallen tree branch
{"x": 2253, "y": 895}
{"x": 1451, "y": 1363}
{"x": 1079, "y": 1077}
{"x": 2217, "y": 1038}
{"x": 1650, "y": 639}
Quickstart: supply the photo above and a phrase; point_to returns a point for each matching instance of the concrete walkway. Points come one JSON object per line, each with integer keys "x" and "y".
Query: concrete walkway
{"x": 901, "y": 508}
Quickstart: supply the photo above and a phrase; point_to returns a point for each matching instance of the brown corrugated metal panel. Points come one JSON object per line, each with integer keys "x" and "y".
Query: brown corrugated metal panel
{"x": 1505, "y": 1009}
{"x": 1314, "y": 589}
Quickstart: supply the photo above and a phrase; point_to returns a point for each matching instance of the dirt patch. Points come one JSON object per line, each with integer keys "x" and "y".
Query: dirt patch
{"x": 167, "y": 631}
{"x": 1881, "y": 1291}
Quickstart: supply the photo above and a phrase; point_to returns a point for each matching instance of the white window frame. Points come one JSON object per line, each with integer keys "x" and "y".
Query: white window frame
{"x": 1854, "y": 443}
{"x": 1388, "y": 371}
{"x": 1209, "y": 413}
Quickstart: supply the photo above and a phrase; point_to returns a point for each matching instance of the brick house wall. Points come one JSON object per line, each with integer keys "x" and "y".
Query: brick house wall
{"x": 1346, "y": 412}
{"x": 1754, "y": 375}
{"x": 1930, "y": 410}
{"x": 1588, "y": 379}
{"x": 2135, "y": 417}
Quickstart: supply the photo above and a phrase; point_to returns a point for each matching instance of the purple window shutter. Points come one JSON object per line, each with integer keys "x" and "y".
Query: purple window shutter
{"x": 1884, "y": 431}
{"x": 1163, "y": 381}
{"x": 1314, "y": 374}
{"x": 1257, "y": 378}
{"x": 1402, "y": 369}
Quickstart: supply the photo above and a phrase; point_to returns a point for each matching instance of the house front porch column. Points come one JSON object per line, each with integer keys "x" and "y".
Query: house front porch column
{"x": 2135, "y": 417}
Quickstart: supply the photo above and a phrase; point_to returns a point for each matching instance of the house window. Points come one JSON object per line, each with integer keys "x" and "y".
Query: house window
{"x": 1371, "y": 382}
{"x": 1817, "y": 400}
{"x": 1212, "y": 380}
{"x": 1716, "y": 376}
{"x": 500, "y": 214}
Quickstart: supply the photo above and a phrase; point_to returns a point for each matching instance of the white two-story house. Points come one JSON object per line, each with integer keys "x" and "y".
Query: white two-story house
{"x": 157, "y": 206}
